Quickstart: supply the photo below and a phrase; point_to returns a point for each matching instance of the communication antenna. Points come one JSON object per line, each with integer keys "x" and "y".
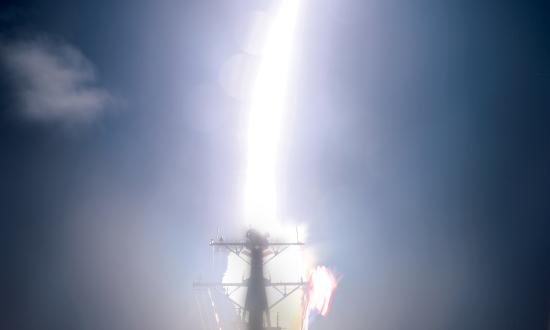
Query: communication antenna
{"x": 256, "y": 309}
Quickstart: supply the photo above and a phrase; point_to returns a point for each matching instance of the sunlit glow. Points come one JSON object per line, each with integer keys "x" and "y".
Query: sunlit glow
{"x": 266, "y": 115}
{"x": 267, "y": 112}
{"x": 290, "y": 265}
{"x": 319, "y": 293}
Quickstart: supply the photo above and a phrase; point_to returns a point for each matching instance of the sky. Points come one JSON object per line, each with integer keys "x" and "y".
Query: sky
{"x": 416, "y": 152}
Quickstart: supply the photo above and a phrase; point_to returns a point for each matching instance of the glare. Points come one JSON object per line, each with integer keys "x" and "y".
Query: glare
{"x": 266, "y": 116}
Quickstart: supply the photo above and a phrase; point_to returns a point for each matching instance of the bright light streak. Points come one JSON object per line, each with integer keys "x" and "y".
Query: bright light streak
{"x": 319, "y": 293}
{"x": 267, "y": 109}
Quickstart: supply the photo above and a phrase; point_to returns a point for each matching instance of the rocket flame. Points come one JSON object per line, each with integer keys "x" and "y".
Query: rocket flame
{"x": 319, "y": 293}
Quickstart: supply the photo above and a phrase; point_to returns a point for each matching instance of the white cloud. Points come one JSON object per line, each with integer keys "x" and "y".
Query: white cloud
{"x": 53, "y": 81}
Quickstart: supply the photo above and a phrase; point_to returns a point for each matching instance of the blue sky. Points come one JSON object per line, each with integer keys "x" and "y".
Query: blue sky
{"x": 418, "y": 157}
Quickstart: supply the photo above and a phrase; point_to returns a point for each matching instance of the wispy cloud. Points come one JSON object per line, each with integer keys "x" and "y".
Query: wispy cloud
{"x": 53, "y": 81}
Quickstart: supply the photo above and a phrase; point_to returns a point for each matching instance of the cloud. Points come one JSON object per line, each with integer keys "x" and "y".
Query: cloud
{"x": 53, "y": 81}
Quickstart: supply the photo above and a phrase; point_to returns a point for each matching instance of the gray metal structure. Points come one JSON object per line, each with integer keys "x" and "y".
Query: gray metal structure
{"x": 256, "y": 310}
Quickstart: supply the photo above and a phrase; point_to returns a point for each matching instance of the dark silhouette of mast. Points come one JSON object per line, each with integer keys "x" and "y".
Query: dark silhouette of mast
{"x": 256, "y": 307}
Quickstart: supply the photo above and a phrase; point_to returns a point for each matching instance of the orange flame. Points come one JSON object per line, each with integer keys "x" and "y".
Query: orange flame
{"x": 319, "y": 293}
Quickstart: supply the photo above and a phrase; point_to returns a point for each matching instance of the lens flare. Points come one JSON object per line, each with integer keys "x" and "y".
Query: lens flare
{"x": 319, "y": 293}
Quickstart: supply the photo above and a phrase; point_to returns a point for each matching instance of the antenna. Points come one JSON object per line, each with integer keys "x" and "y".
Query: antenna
{"x": 256, "y": 305}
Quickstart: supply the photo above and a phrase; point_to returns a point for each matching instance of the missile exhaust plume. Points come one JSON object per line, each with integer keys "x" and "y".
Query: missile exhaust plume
{"x": 266, "y": 119}
{"x": 266, "y": 122}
